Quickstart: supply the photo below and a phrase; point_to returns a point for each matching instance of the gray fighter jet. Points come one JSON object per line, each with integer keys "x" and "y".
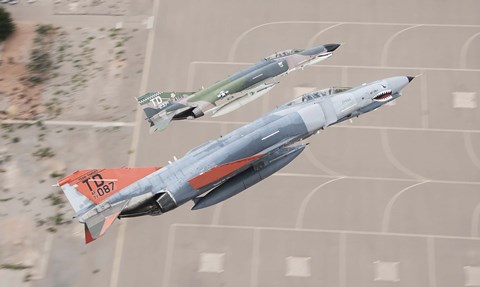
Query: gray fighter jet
{"x": 222, "y": 168}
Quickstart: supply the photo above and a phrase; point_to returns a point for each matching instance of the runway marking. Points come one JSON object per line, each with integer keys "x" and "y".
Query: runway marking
{"x": 216, "y": 213}
{"x": 343, "y": 126}
{"x": 47, "y": 247}
{"x": 312, "y": 40}
{"x": 298, "y": 266}
{"x": 344, "y": 75}
{"x": 255, "y": 258}
{"x": 386, "y": 47}
{"x": 475, "y": 221}
{"x": 377, "y": 178}
{"x": 470, "y": 150}
{"x": 342, "y": 259}
{"x": 393, "y": 160}
{"x": 318, "y": 164}
{"x": 334, "y": 231}
{"x": 386, "y": 271}
{"x": 233, "y": 49}
{"x": 95, "y": 124}
{"x": 464, "y": 50}
{"x": 169, "y": 256}
{"x": 432, "y": 276}
{"x": 303, "y": 206}
{"x": 389, "y": 206}
{"x": 135, "y": 140}
{"x": 194, "y": 63}
{"x": 424, "y": 99}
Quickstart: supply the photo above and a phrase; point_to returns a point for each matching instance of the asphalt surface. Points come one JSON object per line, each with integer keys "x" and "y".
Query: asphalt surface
{"x": 393, "y": 197}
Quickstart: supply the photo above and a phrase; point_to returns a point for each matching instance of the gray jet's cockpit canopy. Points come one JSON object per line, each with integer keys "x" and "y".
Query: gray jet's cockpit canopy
{"x": 317, "y": 94}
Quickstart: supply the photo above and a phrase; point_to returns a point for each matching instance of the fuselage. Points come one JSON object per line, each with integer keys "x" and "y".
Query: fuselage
{"x": 282, "y": 127}
{"x": 276, "y": 65}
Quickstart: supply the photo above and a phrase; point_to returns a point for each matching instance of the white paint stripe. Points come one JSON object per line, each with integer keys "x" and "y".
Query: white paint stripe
{"x": 98, "y": 124}
{"x": 233, "y": 49}
{"x": 306, "y": 200}
{"x": 47, "y": 247}
{"x": 393, "y": 160}
{"x": 216, "y": 213}
{"x": 150, "y": 21}
{"x": 475, "y": 221}
{"x": 386, "y": 47}
{"x": 389, "y": 206}
{"x": 432, "y": 276}
{"x": 376, "y": 178}
{"x": 312, "y": 40}
{"x": 353, "y": 232}
{"x": 135, "y": 140}
{"x": 424, "y": 99}
{"x": 257, "y": 76}
{"x": 470, "y": 150}
{"x": 132, "y": 124}
{"x": 322, "y": 66}
{"x": 169, "y": 257}
{"x": 270, "y": 135}
{"x": 318, "y": 164}
{"x": 255, "y": 258}
{"x": 342, "y": 260}
{"x": 406, "y": 129}
{"x": 464, "y": 50}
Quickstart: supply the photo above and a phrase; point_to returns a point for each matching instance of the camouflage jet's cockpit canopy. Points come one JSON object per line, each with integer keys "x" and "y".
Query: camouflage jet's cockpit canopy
{"x": 282, "y": 54}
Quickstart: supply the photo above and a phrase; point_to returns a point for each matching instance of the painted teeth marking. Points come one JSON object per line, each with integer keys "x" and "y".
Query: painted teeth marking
{"x": 383, "y": 96}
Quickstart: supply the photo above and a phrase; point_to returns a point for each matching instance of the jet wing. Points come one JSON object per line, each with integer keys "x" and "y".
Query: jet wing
{"x": 233, "y": 102}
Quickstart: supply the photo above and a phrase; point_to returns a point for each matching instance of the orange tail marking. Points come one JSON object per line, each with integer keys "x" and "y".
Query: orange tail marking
{"x": 99, "y": 184}
{"x": 221, "y": 171}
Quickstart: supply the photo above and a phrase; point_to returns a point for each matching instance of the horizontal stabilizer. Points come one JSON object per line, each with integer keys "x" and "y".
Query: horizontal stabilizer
{"x": 221, "y": 171}
{"x": 98, "y": 223}
{"x": 160, "y": 122}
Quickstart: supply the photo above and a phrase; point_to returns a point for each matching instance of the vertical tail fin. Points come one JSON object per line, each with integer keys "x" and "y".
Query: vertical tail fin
{"x": 87, "y": 190}
{"x": 159, "y": 107}
{"x": 88, "y": 187}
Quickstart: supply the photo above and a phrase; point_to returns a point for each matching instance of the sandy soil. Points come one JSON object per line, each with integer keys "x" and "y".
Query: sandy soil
{"x": 95, "y": 75}
{"x": 19, "y": 100}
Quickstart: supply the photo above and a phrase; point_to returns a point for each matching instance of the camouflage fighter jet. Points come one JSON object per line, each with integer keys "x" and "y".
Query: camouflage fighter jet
{"x": 222, "y": 168}
{"x": 231, "y": 93}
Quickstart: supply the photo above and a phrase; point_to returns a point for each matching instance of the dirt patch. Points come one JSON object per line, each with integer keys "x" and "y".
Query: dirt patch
{"x": 19, "y": 100}
{"x": 91, "y": 7}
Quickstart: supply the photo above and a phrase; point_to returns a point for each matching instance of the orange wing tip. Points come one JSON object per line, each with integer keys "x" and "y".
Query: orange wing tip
{"x": 218, "y": 172}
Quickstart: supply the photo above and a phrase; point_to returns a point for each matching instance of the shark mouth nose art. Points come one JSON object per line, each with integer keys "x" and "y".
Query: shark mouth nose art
{"x": 383, "y": 96}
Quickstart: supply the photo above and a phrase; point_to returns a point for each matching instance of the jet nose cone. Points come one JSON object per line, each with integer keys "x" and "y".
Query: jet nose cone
{"x": 331, "y": 47}
{"x": 396, "y": 84}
